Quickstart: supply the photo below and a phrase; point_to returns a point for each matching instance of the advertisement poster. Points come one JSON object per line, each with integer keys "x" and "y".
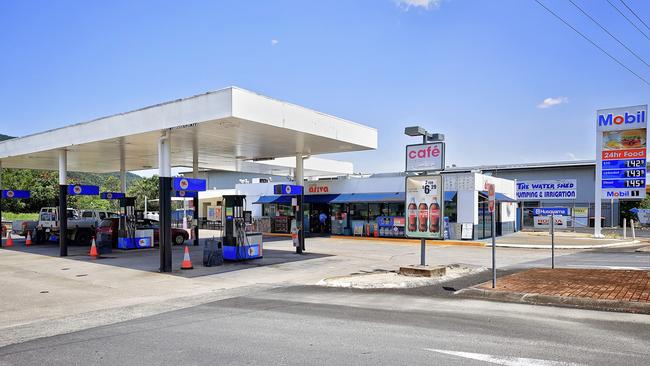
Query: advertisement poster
{"x": 424, "y": 207}
{"x": 561, "y": 222}
{"x": 621, "y": 143}
{"x": 553, "y": 189}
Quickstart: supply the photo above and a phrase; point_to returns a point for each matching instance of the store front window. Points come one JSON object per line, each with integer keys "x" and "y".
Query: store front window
{"x": 451, "y": 209}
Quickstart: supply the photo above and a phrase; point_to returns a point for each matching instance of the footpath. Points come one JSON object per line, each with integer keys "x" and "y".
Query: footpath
{"x": 598, "y": 289}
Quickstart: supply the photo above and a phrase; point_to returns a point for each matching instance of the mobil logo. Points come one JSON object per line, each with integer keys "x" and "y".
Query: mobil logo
{"x": 612, "y": 119}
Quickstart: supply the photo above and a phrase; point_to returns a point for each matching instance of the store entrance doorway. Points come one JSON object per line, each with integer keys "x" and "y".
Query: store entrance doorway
{"x": 319, "y": 219}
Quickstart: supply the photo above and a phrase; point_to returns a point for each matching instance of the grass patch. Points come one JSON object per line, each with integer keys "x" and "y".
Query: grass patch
{"x": 11, "y": 216}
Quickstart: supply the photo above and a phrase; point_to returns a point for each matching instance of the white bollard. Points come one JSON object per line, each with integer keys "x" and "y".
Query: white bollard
{"x": 632, "y": 227}
{"x": 624, "y": 228}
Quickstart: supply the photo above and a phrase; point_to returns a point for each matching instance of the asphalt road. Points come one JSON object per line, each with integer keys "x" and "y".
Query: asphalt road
{"x": 311, "y": 325}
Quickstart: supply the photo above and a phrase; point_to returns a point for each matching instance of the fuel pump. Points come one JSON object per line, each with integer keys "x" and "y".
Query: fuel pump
{"x": 127, "y": 223}
{"x": 239, "y": 243}
{"x": 128, "y": 235}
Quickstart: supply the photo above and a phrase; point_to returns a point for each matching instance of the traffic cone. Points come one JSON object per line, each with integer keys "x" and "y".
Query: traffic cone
{"x": 93, "y": 249}
{"x": 10, "y": 241}
{"x": 187, "y": 263}
{"x": 28, "y": 241}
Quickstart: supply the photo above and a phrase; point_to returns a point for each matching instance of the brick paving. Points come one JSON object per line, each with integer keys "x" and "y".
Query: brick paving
{"x": 603, "y": 284}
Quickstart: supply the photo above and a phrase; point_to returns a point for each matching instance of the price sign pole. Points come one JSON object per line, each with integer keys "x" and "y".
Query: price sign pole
{"x": 491, "y": 201}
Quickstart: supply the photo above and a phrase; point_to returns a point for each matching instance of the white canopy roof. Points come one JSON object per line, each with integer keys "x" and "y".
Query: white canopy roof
{"x": 228, "y": 127}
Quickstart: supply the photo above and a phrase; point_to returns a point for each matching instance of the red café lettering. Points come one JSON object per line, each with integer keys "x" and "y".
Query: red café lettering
{"x": 428, "y": 152}
{"x": 318, "y": 189}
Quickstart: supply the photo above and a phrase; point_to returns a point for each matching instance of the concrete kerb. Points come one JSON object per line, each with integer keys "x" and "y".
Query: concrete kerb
{"x": 548, "y": 246}
{"x": 562, "y": 301}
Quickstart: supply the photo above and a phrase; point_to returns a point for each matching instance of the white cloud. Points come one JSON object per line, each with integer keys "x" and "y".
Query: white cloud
{"x": 274, "y": 42}
{"x": 426, "y": 4}
{"x": 551, "y": 102}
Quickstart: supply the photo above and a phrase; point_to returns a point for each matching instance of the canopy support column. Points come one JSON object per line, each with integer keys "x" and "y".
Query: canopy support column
{"x": 195, "y": 200}
{"x": 164, "y": 195}
{"x": 63, "y": 203}
{"x": 299, "y": 180}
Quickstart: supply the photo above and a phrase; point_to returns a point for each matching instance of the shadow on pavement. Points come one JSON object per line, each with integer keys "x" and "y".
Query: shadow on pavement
{"x": 149, "y": 259}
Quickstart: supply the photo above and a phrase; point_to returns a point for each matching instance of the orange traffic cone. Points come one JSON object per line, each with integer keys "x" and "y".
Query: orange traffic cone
{"x": 187, "y": 263}
{"x": 28, "y": 241}
{"x": 10, "y": 241}
{"x": 93, "y": 249}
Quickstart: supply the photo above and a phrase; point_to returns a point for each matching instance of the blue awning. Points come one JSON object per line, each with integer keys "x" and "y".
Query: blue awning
{"x": 274, "y": 199}
{"x": 449, "y": 195}
{"x": 369, "y": 197}
{"x": 320, "y": 198}
{"x": 499, "y": 197}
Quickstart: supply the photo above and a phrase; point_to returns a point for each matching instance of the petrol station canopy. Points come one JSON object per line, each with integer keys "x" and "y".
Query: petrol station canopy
{"x": 229, "y": 128}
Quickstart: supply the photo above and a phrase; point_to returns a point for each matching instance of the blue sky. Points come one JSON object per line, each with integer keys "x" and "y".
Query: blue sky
{"x": 476, "y": 71}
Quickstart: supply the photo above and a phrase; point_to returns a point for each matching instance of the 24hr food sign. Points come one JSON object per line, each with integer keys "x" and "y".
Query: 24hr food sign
{"x": 555, "y": 189}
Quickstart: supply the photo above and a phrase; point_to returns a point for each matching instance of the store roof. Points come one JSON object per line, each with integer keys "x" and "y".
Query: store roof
{"x": 229, "y": 127}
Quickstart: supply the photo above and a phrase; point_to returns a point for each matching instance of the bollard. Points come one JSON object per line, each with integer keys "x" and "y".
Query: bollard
{"x": 624, "y": 228}
{"x": 632, "y": 227}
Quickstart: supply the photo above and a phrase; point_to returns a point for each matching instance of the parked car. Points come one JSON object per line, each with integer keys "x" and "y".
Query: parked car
{"x": 178, "y": 235}
{"x": 107, "y": 227}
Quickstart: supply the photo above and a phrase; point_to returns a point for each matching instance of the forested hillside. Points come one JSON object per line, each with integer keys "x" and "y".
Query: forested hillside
{"x": 43, "y": 185}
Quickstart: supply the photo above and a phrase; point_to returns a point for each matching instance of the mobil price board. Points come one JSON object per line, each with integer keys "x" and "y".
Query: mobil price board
{"x": 621, "y": 142}
{"x": 546, "y": 189}
{"x": 424, "y": 206}
{"x": 425, "y": 157}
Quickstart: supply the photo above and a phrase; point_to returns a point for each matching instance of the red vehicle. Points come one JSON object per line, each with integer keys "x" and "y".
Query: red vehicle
{"x": 107, "y": 227}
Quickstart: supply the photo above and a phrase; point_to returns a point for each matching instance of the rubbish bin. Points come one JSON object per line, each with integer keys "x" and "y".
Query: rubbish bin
{"x": 104, "y": 244}
{"x": 212, "y": 252}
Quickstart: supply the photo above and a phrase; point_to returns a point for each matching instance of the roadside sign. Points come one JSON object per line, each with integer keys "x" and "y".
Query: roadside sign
{"x": 290, "y": 189}
{"x": 425, "y": 157}
{"x": 82, "y": 190}
{"x": 111, "y": 195}
{"x": 189, "y": 184}
{"x": 491, "y": 196}
{"x": 621, "y": 141}
{"x": 15, "y": 193}
{"x": 424, "y": 203}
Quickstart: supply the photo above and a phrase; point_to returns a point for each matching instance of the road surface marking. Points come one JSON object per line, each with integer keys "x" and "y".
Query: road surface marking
{"x": 508, "y": 361}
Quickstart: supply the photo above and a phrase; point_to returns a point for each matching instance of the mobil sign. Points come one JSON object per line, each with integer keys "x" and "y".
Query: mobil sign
{"x": 425, "y": 157}
{"x": 621, "y": 140}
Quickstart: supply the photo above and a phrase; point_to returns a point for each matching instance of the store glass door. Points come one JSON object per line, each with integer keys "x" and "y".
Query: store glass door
{"x": 319, "y": 218}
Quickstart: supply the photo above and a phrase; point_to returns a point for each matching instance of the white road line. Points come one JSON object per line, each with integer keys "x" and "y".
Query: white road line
{"x": 508, "y": 361}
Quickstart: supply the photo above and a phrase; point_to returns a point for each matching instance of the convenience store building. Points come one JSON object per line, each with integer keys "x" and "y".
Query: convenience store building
{"x": 374, "y": 205}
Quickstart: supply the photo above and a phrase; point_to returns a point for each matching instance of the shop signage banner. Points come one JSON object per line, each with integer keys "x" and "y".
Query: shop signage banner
{"x": 15, "y": 193}
{"x": 83, "y": 190}
{"x": 111, "y": 195}
{"x": 424, "y": 205}
{"x": 548, "y": 211}
{"x": 550, "y": 189}
{"x": 425, "y": 157}
{"x": 287, "y": 189}
{"x": 621, "y": 142}
{"x": 189, "y": 184}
